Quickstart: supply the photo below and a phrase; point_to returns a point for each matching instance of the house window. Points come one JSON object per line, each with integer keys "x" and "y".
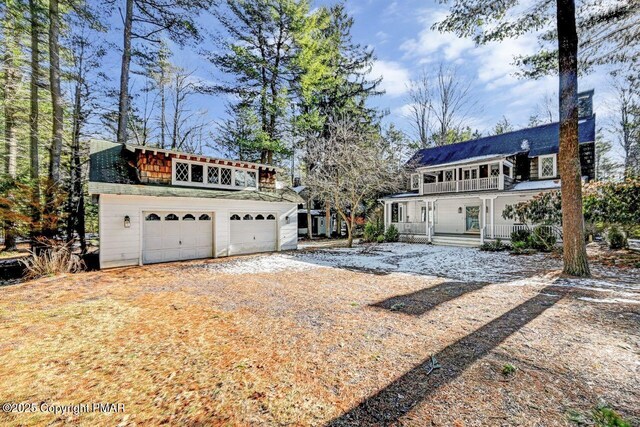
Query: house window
{"x": 251, "y": 179}
{"x": 448, "y": 175}
{"x": 547, "y": 166}
{"x": 394, "y": 212}
{"x": 225, "y": 176}
{"x": 213, "y": 175}
{"x": 495, "y": 169}
{"x": 239, "y": 178}
{"x": 423, "y": 214}
{"x": 196, "y": 173}
{"x": 182, "y": 172}
{"x": 415, "y": 181}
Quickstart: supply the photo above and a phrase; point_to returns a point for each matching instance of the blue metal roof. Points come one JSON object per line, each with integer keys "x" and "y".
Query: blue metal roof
{"x": 537, "y": 141}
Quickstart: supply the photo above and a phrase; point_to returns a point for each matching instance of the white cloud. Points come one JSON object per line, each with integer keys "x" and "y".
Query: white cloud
{"x": 394, "y": 77}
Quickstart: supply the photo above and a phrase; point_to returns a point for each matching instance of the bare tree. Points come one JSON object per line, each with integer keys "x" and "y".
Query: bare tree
{"x": 452, "y": 104}
{"x": 545, "y": 111}
{"x": 351, "y": 165}
{"x": 188, "y": 126}
{"x": 420, "y": 106}
{"x": 625, "y": 125}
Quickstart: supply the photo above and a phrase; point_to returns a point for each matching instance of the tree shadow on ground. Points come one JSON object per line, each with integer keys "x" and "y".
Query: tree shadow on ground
{"x": 391, "y": 403}
{"x": 419, "y": 302}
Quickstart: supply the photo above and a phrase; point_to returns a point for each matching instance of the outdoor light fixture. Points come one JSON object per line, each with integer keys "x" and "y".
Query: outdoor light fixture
{"x": 127, "y": 221}
{"x": 460, "y": 210}
{"x": 287, "y": 219}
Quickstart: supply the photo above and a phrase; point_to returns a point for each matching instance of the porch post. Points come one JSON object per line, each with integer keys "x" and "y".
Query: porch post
{"x": 429, "y": 205}
{"x": 386, "y": 216}
{"x": 501, "y": 176}
{"x": 483, "y": 217}
{"x": 492, "y": 209}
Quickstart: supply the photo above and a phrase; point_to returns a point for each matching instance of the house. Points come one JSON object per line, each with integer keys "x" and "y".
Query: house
{"x": 160, "y": 205}
{"x": 458, "y": 192}
{"x": 318, "y": 215}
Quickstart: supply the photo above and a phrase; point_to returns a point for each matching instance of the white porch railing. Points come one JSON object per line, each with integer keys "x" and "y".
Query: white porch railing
{"x": 478, "y": 184}
{"x": 504, "y": 231}
{"x": 411, "y": 227}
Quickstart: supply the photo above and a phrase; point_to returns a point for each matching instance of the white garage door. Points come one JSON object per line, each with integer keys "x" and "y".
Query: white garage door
{"x": 252, "y": 232}
{"x": 174, "y": 236}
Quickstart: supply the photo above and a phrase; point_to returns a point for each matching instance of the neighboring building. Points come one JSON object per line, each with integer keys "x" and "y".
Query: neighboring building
{"x": 459, "y": 191}
{"x": 318, "y": 215}
{"x": 160, "y": 205}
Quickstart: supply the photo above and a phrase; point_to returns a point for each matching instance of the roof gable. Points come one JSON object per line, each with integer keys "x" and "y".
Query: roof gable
{"x": 536, "y": 141}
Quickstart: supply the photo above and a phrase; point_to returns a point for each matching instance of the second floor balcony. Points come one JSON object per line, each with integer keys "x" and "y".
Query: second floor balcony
{"x": 477, "y": 184}
{"x": 478, "y": 177}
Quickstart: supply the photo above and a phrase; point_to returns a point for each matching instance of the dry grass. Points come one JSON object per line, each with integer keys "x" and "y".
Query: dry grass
{"x": 184, "y": 344}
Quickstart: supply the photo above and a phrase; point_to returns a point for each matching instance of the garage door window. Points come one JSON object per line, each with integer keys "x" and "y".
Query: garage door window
{"x": 204, "y": 217}
{"x": 259, "y": 217}
{"x": 235, "y": 217}
{"x": 171, "y": 217}
{"x": 271, "y": 217}
{"x": 188, "y": 217}
{"x": 248, "y": 217}
{"x": 152, "y": 217}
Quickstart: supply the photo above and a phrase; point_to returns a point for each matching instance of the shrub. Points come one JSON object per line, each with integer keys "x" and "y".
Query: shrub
{"x": 494, "y": 246}
{"x": 380, "y": 239}
{"x": 54, "y": 258}
{"x": 616, "y": 238}
{"x": 542, "y": 239}
{"x": 391, "y": 235}
{"x": 372, "y": 230}
{"x": 520, "y": 235}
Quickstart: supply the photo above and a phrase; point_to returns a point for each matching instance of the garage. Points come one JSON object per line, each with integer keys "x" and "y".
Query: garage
{"x": 175, "y": 236}
{"x": 252, "y": 232}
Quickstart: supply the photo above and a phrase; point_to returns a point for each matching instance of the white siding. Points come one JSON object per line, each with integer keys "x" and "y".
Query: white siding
{"x": 121, "y": 246}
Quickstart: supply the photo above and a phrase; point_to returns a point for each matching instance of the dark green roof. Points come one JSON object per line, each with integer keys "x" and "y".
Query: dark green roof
{"x": 108, "y": 163}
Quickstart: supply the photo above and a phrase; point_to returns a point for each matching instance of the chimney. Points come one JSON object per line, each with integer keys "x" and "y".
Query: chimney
{"x": 585, "y": 104}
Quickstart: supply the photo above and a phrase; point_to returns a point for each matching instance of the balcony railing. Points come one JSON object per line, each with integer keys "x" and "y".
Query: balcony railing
{"x": 411, "y": 227}
{"x": 478, "y": 184}
{"x": 504, "y": 231}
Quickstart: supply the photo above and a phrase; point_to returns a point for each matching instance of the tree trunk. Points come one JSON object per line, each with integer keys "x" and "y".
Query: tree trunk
{"x": 11, "y": 80}
{"x": 163, "y": 106}
{"x": 34, "y": 169}
{"x": 350, "y": 221}
{"x": 575, "y": 254}
{"x": 50, "y": 227}
{"x": 123, "y": 102}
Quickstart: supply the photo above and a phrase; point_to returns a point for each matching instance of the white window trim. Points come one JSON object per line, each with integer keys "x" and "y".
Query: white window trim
{"x": 204, "y": 183}
{"x": 555, "y": 166}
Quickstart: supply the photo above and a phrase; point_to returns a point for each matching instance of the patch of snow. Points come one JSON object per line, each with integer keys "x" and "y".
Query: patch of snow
{"x": 610, "y": 300}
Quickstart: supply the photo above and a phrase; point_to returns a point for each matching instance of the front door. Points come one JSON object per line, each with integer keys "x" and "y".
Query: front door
{"x": 472, "y": 222}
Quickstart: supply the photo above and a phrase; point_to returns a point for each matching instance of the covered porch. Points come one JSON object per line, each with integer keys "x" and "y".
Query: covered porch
{"x": 471, "y": 219}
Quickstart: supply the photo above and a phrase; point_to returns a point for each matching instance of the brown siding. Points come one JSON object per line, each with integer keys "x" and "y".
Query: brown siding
{"x": 155, "y": 168}
{"x": 533, "y": 170}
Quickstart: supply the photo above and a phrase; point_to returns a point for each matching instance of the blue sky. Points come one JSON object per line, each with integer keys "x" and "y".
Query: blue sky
{"x": 400, "y": 34}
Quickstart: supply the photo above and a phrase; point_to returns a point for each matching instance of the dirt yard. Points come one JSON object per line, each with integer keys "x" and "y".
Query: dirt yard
{"x": 327, "y": 337}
